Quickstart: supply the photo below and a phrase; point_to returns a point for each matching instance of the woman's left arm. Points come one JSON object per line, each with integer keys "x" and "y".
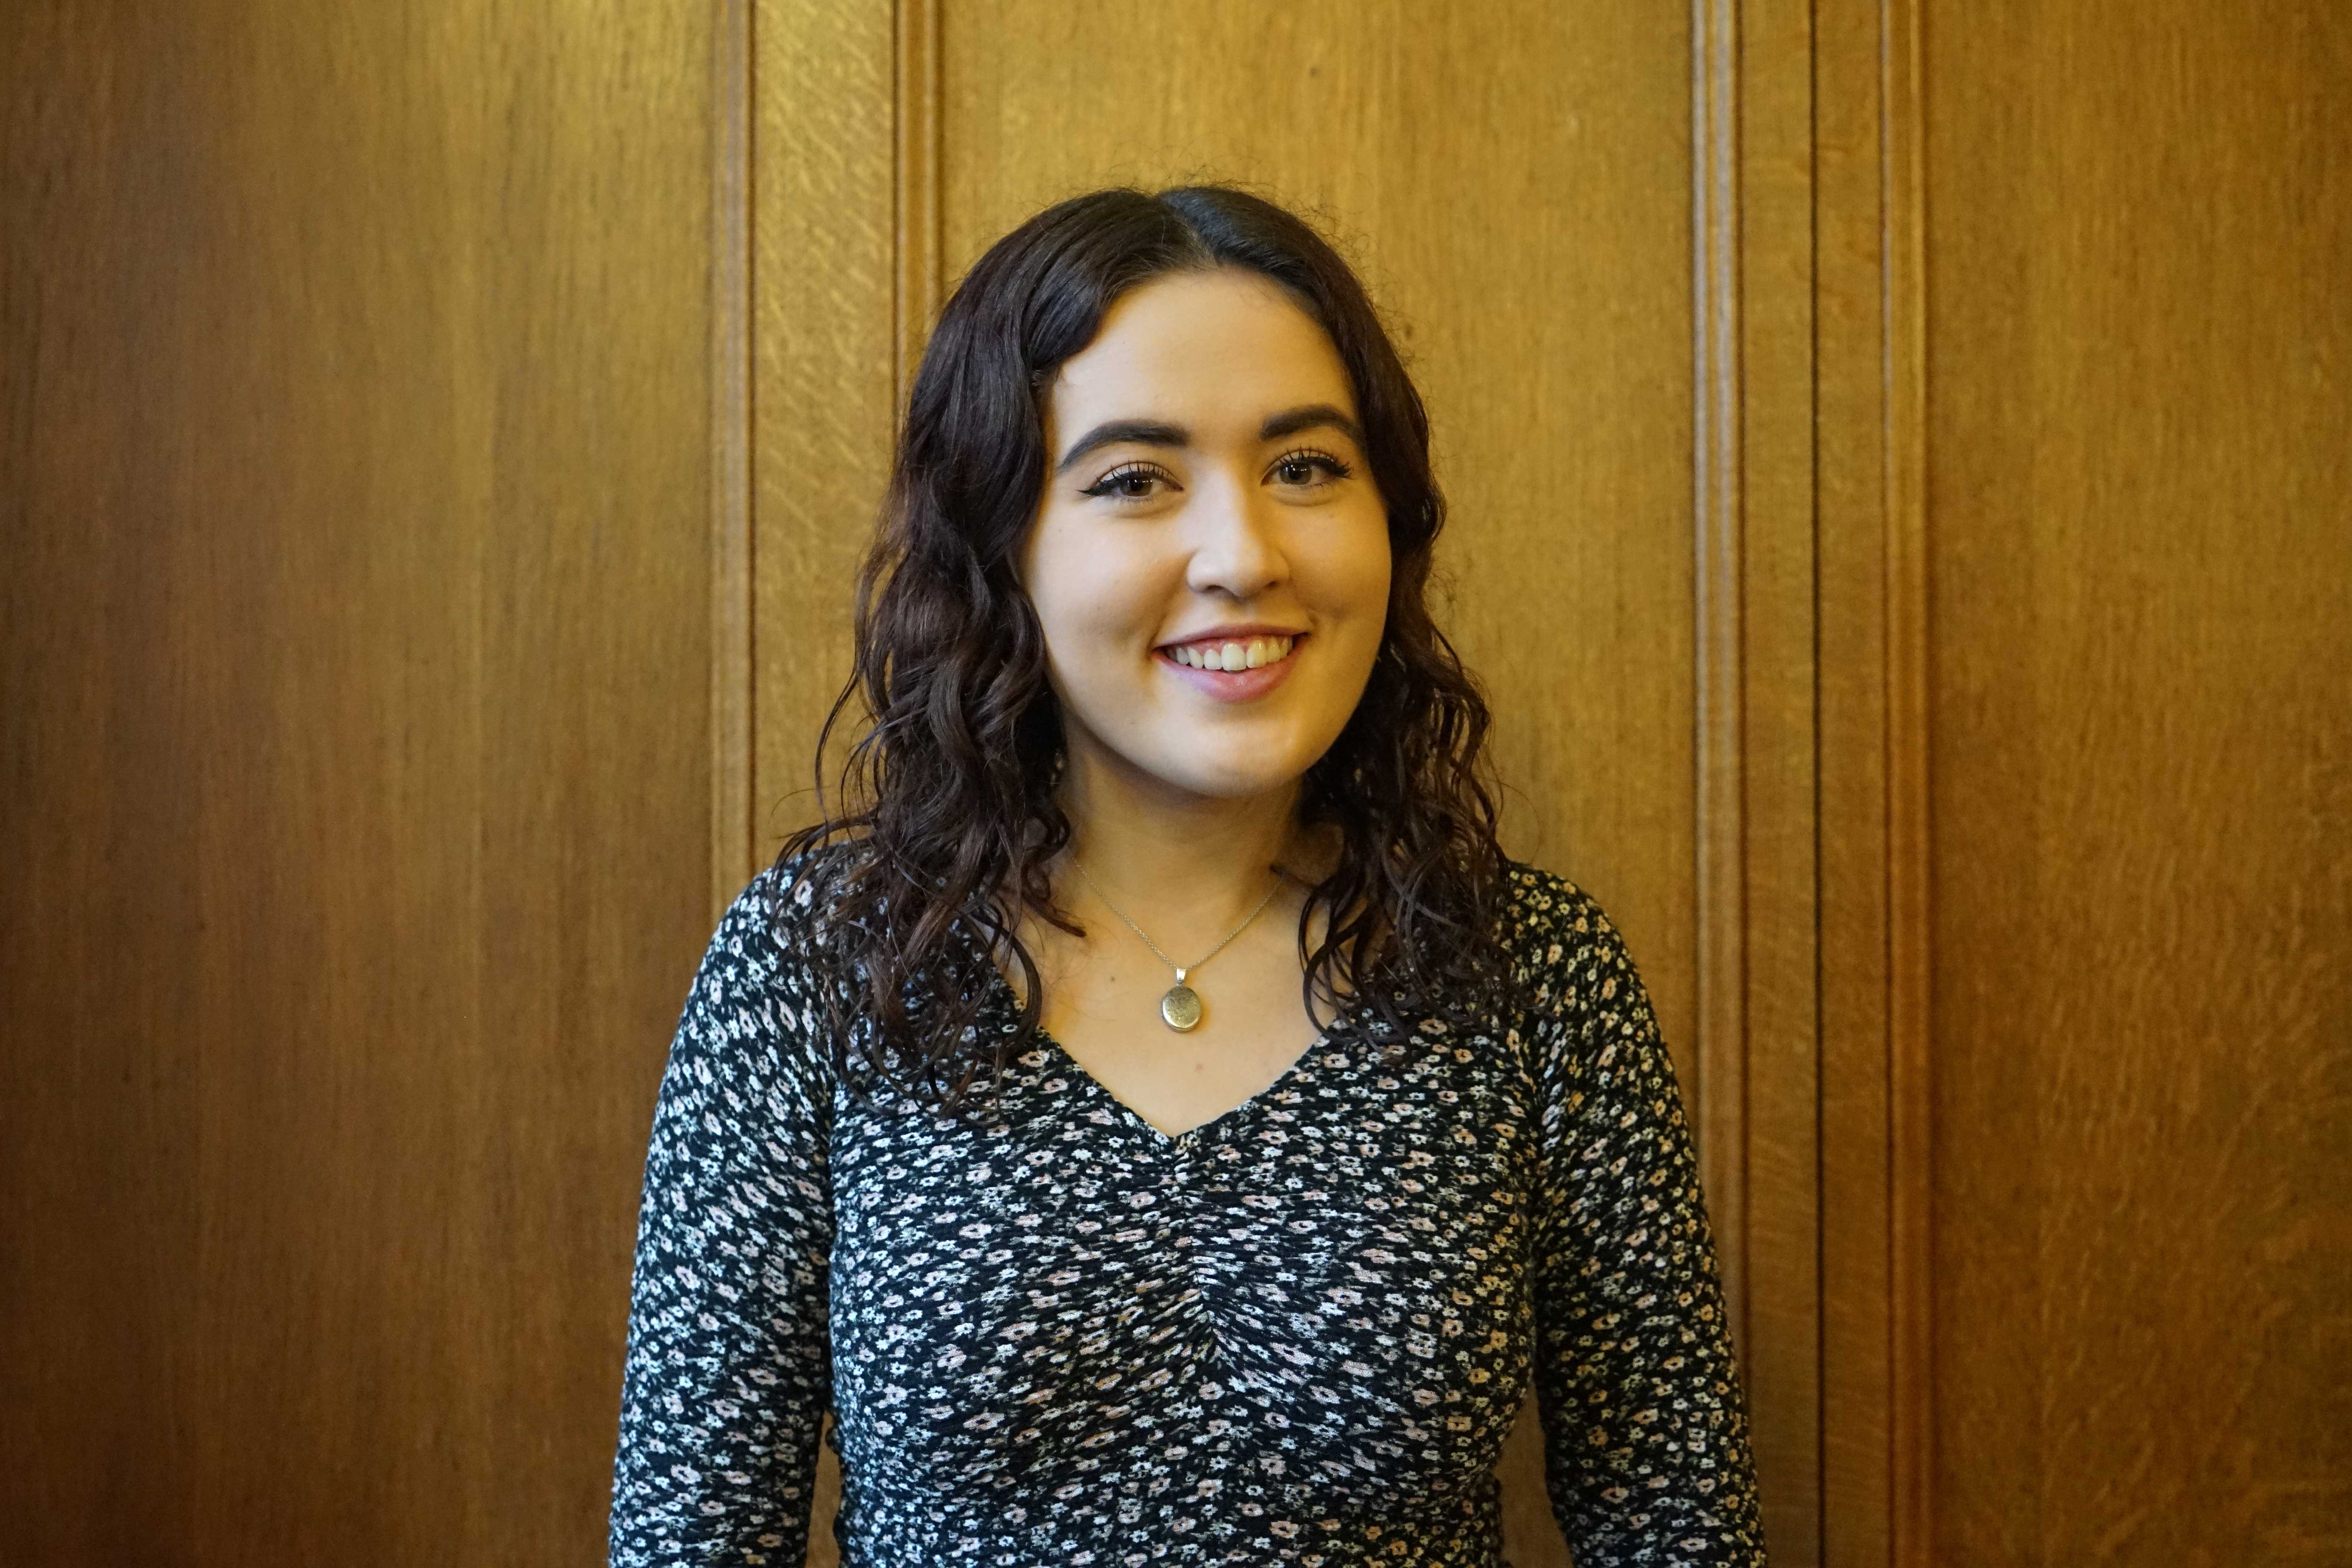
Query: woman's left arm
{"x": 728, "y": 1374}
{"x": 1645, "y": 1426}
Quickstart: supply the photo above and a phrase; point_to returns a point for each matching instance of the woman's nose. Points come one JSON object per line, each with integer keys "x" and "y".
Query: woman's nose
{"x": 1235, "y": 548}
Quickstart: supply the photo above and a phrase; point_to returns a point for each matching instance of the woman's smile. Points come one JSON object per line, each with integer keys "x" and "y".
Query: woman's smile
{"x": 1233, "y": 668}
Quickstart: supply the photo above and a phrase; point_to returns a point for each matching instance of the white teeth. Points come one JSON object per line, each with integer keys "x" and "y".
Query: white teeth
{"x": 1233, "y": 656}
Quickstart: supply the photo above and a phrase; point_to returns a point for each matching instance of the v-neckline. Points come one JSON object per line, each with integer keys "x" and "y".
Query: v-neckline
{"x": 1297, "y": 1066}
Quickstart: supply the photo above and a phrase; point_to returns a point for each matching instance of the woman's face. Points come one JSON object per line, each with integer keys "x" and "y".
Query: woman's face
{"x": 1210, "y": 560}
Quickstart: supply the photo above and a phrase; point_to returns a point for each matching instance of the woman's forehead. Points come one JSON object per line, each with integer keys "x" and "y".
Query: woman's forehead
{"x": 1218, "y": 353}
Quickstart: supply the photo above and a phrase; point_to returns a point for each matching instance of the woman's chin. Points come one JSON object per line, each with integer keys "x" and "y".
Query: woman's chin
{"x": 1217, "y": 761}
{"x": 1245, "y": 778}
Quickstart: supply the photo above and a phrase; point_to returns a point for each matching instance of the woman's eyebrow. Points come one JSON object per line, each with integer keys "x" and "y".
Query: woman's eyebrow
{"x": 1154, "y": 433}
{"x": 1311, "y": 416}
{"x": 1113, "y": 432}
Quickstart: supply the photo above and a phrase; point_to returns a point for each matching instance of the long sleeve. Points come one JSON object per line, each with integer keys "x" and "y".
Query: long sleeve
{"x": 727, "y": 1379}
{"x": 1647, "y": 1456}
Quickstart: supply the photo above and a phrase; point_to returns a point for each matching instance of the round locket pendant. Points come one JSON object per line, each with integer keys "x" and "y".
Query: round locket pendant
{"x": 1181, "y": 1008}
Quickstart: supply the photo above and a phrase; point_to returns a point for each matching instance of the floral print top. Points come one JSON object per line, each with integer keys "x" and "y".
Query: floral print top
{"x": 1298, "y": 1333}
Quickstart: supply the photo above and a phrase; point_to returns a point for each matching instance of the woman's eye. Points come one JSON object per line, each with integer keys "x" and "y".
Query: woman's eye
{"x": 1127, "y": 484}
{"x": 1303, "y": 468}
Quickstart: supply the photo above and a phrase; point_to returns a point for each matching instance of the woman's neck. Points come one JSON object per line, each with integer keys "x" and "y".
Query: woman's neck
{"x": 1181, "y": 859}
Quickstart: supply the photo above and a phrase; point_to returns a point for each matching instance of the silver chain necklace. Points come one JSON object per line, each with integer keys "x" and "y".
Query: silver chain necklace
{"x": 1179, "y": 1008}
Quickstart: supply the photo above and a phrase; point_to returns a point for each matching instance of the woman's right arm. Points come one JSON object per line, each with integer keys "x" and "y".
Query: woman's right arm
{"x": 728, "y": 1374}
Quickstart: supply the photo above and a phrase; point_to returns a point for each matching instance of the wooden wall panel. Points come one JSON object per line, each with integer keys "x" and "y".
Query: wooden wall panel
{"x": 735, "y": 837}
{"x": 1777, "y": 1046}
{"x": 1850, "y": 413}
{"x": 2140, "y": 454}
{"x": 353, "y": 599}
{"x": 1871, "y": 822}
{"x": 826, "y": 276}
{"x": 1718, "y": 636}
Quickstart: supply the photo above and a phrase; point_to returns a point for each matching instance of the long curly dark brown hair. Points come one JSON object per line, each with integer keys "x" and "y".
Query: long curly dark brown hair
{"x": 948, "y": 817}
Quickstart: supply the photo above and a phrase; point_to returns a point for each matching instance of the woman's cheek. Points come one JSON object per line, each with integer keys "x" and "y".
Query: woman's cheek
{"x": 1356, "y": 585}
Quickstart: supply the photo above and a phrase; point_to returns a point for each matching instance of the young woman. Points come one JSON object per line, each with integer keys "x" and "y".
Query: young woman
{"x": 1158, "y": 1123}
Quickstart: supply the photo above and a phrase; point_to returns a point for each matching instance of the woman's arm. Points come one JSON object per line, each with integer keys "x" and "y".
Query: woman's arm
{"x": 1645, "y": 1425}
{"x": 727, "y": 1376}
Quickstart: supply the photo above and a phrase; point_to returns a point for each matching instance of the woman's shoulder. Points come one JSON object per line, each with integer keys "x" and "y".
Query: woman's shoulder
{"x": 793, "y": 898}
{"x": 1571, "y": 962}
{"x": 777, "y": 935}
{"x": 768, "y": 986}
{"x": 1547, "y": 919}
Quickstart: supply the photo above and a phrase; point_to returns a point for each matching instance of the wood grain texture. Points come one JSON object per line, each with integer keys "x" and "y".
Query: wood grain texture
{"x": 826, "y": 351}
{"x": 1850, "y": 412}
{"x": 733, "y": 825}
{"x": 1782, "y": 1348}
{"x": 1910, "y": 1038}
{"x": 353, "y": 607}
{"x": 915, "y": 72}
{"x": 2138, "y": 426}
{"x": 1718, "y": 681}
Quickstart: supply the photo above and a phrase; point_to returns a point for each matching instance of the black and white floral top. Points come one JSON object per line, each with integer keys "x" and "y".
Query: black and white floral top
{"x": 1296, "y": 1334}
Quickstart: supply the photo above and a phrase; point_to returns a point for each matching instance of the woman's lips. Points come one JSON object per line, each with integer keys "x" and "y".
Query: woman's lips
{"x": 1234, "y": 685}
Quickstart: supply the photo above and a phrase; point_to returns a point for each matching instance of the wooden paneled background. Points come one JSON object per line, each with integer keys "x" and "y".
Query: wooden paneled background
{"x": 2140, "y": 488}
{"x": 353, "y": 734}
{"x": 1897, "y": 452}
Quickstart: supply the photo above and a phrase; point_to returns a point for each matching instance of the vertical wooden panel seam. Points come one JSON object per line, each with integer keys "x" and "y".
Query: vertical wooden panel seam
{"x": 1780, "y": 700}
{"x": 918, "y": 173}
{"x": 1910, "y": 1173}
{"x": 1860, "y": 1301}
{"x": 1823, "y": 1500}
{"x": 1720, "y": 828}
{"x": 732, "y": 667}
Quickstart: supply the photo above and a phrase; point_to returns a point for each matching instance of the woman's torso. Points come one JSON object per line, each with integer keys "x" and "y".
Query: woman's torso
{"x": 1298, "y": 1332}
